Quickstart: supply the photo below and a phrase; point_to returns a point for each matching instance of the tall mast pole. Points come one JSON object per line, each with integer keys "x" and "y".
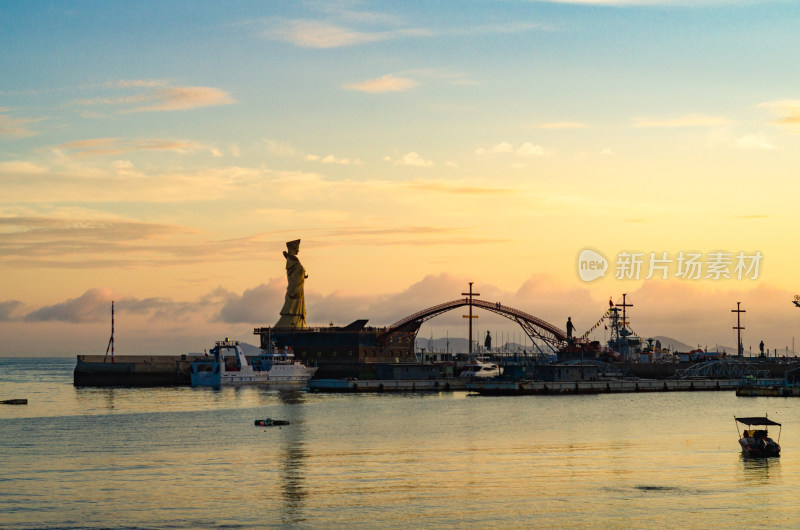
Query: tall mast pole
{"x": 624, "y": 306}
{"x": 111, "y": 340}
{"x": 738, "y": 327}
{"x": 470, "y": 317}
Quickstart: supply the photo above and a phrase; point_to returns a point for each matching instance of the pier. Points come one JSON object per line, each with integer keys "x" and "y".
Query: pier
{"x": 521, "y": 388}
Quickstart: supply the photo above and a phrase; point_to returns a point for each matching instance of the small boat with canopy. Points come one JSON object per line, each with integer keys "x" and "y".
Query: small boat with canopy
{"x": 755, "y": 440}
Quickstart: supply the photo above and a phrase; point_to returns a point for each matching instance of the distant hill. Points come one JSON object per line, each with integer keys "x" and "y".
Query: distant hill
{"x": 459, "y": 345}
{"x": 678, "y": 346}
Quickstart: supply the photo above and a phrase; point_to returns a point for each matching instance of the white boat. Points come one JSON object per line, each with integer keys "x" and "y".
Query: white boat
{"x": 476, "y": 369}
{"x": 228, "y": 365}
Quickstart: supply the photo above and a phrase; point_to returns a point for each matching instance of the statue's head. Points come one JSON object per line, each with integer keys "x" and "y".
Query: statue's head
{"x": 293, "y": 246}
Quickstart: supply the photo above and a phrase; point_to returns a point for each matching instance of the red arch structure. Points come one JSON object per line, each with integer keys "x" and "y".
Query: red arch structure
{"x": 536, "y": 328}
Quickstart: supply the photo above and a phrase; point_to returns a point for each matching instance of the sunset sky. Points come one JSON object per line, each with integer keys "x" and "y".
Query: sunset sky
{"x": 160, "y": 154}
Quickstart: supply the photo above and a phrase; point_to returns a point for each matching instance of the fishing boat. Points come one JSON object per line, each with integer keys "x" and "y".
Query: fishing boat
{"x": 756, "y": 441}
{"x": 228, "y": 365}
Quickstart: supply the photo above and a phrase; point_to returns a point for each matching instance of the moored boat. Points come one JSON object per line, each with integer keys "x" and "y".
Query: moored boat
{"x": 756, "y": 442}
{"x": 228, "y": 365}
{"x": 476, "y": 369}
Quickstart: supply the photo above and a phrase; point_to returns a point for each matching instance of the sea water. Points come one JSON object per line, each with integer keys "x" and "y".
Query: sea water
{"x": 188, "y": 458}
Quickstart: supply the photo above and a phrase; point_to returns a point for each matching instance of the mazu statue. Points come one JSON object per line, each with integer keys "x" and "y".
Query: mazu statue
{"x": 293, "y": 313}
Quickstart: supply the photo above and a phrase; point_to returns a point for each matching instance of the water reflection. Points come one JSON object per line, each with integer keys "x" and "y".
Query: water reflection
{"x": 293, "y": 477}
{"x": 292, "y": 397}
{"x": 760, "y": 470}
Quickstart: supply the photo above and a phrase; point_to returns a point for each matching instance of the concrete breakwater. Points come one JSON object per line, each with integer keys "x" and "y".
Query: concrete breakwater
{"x": 133, "y": 370}
{"x": 517, "y": 388}
{"x": 174, "y": 370}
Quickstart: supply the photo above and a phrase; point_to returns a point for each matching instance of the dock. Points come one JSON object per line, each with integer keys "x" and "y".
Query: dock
{"x": 521, "y": 388}
{"x": 387, "y": 385}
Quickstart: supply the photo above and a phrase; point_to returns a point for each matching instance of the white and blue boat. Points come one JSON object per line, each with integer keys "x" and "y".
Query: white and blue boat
{"x": 228, "y": 365}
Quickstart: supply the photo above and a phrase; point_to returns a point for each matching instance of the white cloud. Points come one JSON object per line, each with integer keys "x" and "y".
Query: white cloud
{"x": 524, "y": 150}
{"x": 321, "y": 34}
{"x": 116, "y": 147}
{"x": 725, "y": 138}
{"x": 164, "y": 99}
{"x": 502, "y": 147}
{"x": 528, "y": 149}
{"x": 691, "y": 120}
{"x": 279, "y": 148}
{"x": 563, "y": 125}
{"x": 413, "y": 159}
{"x": 755, "y": 141}
{"x": 20, "y": 167}
{"x": 330, "y": 159}
{"x": 185, "y": 98}
{"x": 787, "y": 111}
{"x": 386, "y": 83}
{"x": 15, "y": 127}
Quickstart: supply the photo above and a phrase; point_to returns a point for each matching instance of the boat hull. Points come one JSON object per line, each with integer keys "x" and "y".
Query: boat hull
{"x": 759, "y": 448}
{"x": 256, "y": 378}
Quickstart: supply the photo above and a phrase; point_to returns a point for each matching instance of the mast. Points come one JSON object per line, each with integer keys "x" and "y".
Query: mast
{"x": 624, "y": 305}
{"x": 111, "y": 340}
{"x": 470, "y": 317}
{"x": 738, "y": 327}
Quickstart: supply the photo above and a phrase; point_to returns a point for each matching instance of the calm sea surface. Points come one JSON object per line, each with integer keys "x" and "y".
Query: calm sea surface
{"x": 188, "y": 458}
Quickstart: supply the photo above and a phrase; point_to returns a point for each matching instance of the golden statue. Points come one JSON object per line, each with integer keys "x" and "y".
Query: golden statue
{"x": 293, "y": 313}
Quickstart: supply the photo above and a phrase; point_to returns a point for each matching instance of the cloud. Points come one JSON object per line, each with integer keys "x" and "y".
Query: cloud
{"x": 92, "y": 306}
{"x": 185, "y": 98}
{"x": 136, "y": 83}
{"x": 8, "y": 309}
{"x": 524, "y": 150}
{"x": 752, "y": 216}
{"x": 692, "y": 120}
{"x": 528, "y": 149}
{"x": 116, "y": 146}
{"x": 330, "y": 159}
{"x": 654, "y": 3}
{"x": 163, "y": 99}
{"x": 725, "y": 138}
{"x": 87, "y": 243}
{"x": 683, "y": 310}
{"x": 755, "y": 141}
{"x": 386, "y": 83}
{"x": 413, "y": 159}
{"x": 563, "y": 125}
{"x": 15, "y": 127}
{"x": 321, "y": 34}
{"x": 502, "y": 147}
{"x": 260, "y": 304}
{"x": 20, "y": 167}
{"x": 787, "y": 111}
{"x": 456, "y": 188}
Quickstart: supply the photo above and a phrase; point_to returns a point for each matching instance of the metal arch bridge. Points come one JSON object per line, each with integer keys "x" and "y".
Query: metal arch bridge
{"x": 536, "y": 328}
{"x": 724, "y": 369}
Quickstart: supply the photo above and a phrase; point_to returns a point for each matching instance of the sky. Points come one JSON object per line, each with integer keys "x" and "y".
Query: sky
{"x": 160, "y": 155}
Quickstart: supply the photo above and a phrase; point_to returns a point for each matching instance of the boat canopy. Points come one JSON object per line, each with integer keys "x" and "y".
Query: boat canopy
{"x": 761, "y": 420}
